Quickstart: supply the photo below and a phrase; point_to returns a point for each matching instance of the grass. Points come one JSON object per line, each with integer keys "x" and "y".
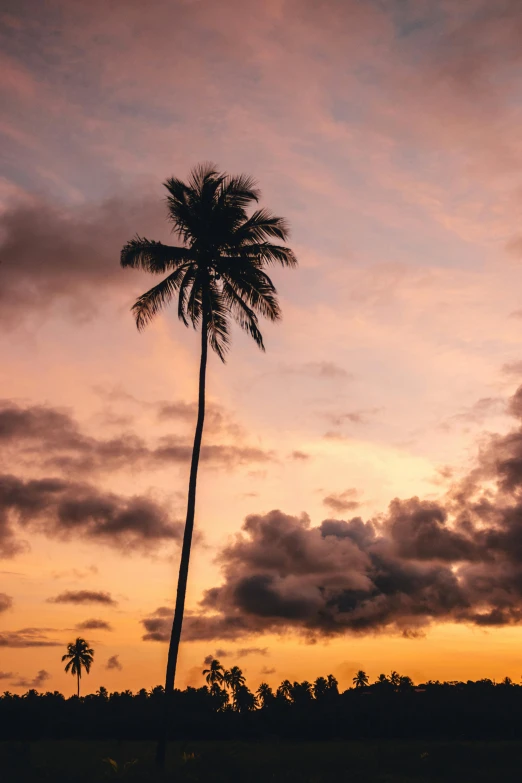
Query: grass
{"x": 277, "y": 762}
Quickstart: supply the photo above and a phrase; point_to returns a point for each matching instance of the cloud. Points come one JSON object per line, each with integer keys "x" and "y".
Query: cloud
{"x": 36, "y": 682}
{"x": 300, "y": 456}
{"x": 217, "y": 418}
{"x": 83, "y": 597}
{"x": 513, "y": 368}
{"x": 59, "y": 508}
{"x": 324, "y": 369}
{"x": 6, "y": 602}
{"x": 28, "y": 637}
{"x": 242, "y": 652}
{"x": 114, "y": 663}
{"x": 479, "y": 411}
{"x": 53, "y": 439}
{"x": 159, "y": 625}
{"x": 94, "y": 625}
{"x": 6, "y": 675}
{"x": 268, "y": 670}
{"x": 342, "y": 501}
{"x": 220, "y": 653}
{"x": 353, "y": 417}
{"x": 457, "y": 559}
{"x": 50, "y": 255}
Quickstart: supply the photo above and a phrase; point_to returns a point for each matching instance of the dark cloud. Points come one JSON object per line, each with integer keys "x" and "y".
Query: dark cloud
{"x": 28, "y": 637}
{"x": 159, "y": 625}
{"x": 6, "y": 602}
{"x": 454, "y": 560}
{"x": 342, "y": 501}
{"x": 7, "y": 675}
{"x": 53, "y": 439}
{"x": 83, "y": 597}
{"x": 114, "y": 663}
{"x": 36, "y": 682}
{"x": 53, "y": 255}
{"x": 62, "y": 509}
{"x": 268, "y": 670}
{"x": 94, "y": 625}
{"x": 242, "y": 652}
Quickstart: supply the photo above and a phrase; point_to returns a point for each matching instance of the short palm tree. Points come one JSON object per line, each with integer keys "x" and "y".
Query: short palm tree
{"x": 218, "y": 274}
{"x": 79, "y": 656}
{"x": 361, "y": 679}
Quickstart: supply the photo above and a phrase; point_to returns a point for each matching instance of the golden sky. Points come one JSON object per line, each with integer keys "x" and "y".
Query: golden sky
{"x": 389, "y": 136}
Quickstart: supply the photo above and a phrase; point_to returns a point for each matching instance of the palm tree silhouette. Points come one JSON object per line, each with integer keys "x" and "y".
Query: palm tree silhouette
{"x": 361, "y": 679}
{"x": 215, "y": 674}
{"x": 265, "y": 694}
{"x": 234, "y": 679}
{"x": 218, "y": 273}
{"x": 79, "y": 656}
{"x": 285, "y": 689}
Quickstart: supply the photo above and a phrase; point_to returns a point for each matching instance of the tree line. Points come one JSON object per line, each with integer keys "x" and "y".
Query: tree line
{"x": 225, "y": 708}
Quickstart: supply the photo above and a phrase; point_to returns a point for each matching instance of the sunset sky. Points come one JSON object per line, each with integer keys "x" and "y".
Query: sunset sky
{"x": 387, "y": 132}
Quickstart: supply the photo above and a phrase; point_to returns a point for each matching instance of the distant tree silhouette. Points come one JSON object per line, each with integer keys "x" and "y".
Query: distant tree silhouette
{"x": 218, "y": 273}
{"x": 439, "y": 710}
{"x": 395, "y": 679}
{"x": 361, "y": 679}
{"x": 214, "y": 674}
{"x": 234, "y": 679}
{"x": 285, "y": 690}
{"x": 265, "y": 695}
{"x": 320, "y": 688}
{"x": 79, "y": 656}
{"x": 244, "y": 699}
{"x": 301, "y": 692}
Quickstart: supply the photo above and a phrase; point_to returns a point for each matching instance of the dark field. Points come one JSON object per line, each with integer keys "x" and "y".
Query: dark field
{"x": 378, "y": 762}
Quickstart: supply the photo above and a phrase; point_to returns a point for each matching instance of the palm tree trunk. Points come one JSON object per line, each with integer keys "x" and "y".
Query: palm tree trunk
{"x": 185, "y": 554}
{"x": 78, "y": 676}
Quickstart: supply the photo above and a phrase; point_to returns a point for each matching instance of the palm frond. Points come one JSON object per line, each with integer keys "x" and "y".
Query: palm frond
{"x": 153, "y": 300}
{"x": 267, "y": 253}
{"x": 261, "y": 225}
{"x": 217, "y": 320}
{"x": 255, "y": 287}
{"x": 239, "y": 191}
{"x": 151, "y": 256}
{"x": 242, "y": 314}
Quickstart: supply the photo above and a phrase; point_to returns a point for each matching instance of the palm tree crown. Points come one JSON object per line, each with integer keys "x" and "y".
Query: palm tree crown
{"x": 214, "y": 674}
{"x": 79, "y": 656}
{"x": 361, "y": 679}
{"x": 219, "y": 270}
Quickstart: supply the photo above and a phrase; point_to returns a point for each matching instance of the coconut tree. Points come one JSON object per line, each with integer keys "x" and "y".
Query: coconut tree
{"x": 79, "y": 656}
{"x": 361, "y": 679}
{"x": 218, "y": 275}
{"x": 214, "y": 674}
{"x": 234, "y": 679}
{"x": 265, "y": 694}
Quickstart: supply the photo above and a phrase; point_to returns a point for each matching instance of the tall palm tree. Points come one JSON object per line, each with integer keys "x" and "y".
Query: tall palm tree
{"x": 218, "y": 274}
{"x": 361, "y": 679}
{"x": 79, "y": 656}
